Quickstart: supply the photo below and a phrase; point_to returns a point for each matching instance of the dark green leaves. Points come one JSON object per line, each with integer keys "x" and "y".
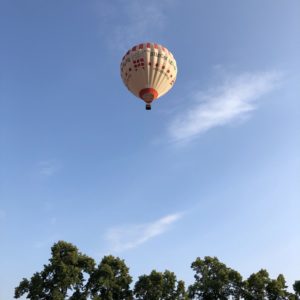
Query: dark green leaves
{"x": 62, "y": 276}
{"x": 110, "y": 280}
{"x": 214, "y": 280}
{"x": 159, "y": 286}
{"x": 74, "y": 276}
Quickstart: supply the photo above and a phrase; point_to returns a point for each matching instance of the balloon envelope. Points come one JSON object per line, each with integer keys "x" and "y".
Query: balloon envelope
{"x": 149, "y": 71}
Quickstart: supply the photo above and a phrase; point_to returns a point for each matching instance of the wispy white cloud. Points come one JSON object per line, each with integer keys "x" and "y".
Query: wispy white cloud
{"x": 232, "y": 100}
{"x": 128, "y": 237}
{"x": 49, "y": 167}
{"x": 135, "y": 21}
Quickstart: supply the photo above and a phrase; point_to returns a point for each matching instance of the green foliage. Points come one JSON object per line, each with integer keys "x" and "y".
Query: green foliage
{"x": 259, "y": 286}
{"x": 64, "y": 273}
{"x": 276, "y": 288}
{"x": 214, "y": 280}
{"x": 34, "y": 288}
{"x": 255, "y": 286}
{"x": 110, "y": 280}
{"x": 72, "y": 275}
{"x": 296, "y": 287}
{"x": 159, "y": 286}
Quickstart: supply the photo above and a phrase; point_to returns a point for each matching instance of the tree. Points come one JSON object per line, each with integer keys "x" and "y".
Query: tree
{"x": 110, "y": 280}
{"x": 74, "y": 276}
{"x": 276, "y": 288}
{"x": 214, "y": 280}
{"x": 296, "y": 287}
{"x": 159, "y": 286}
{"x": 33, "y": 288}
{"x": 255, "y": 286}
{"x": 64, "y": 274}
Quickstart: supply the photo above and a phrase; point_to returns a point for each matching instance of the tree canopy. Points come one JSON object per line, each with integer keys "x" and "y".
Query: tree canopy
{"x": 75, "y": 276}
{"x": 158, "y": 286}
{"x": 110, "y": 280}
{"x": 214, "y": 280}
{"x": 62, "y": 276}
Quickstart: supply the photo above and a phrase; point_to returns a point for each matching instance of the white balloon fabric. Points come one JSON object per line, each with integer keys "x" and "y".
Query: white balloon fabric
{"x": 149, "y": 71}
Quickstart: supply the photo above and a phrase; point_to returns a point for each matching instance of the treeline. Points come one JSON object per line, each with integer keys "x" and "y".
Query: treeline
{"x": 73, "y": 275}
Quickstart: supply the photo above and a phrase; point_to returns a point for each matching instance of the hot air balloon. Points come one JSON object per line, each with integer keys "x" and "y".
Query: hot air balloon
{"x": 149, "y": 71}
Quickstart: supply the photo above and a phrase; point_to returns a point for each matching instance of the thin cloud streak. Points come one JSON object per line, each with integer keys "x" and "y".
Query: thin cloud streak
{"x": 234, "y": 100}
{"x": 125, "y": 238}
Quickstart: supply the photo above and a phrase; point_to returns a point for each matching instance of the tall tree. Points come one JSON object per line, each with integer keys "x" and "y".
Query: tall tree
{"x": 256, "y": 285}
{"x": 214, "y": 280}
{"x": 72, "y": 275}
{"x": 159, "y": 286}
{"x": 296, "y": 287}
{"x": 110, "y": 280}
{"x": 62, "y": 276}
{"x": 276, "y": 288}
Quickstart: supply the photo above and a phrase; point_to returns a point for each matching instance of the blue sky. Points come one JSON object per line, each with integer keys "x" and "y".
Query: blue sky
{"x": 213, "y": 169}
